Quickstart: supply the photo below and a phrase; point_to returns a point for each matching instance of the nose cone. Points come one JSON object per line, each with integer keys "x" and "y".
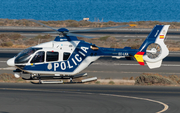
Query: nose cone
{"x": 10, "y": 62}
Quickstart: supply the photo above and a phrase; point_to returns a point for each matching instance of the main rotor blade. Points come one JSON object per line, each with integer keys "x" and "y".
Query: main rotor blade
{"x": 43, "y": 24}
{"x": 94, "y": 29}
{"x": 72, "y": 34}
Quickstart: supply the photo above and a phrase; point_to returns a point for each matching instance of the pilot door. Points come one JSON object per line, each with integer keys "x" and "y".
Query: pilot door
{"x": 38, "y": 61}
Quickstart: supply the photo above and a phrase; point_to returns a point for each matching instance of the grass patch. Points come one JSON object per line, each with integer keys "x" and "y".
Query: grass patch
{"x": 156, "y": 79}
{"x": 43, "y": 37}
{"x": 7, "y": 44}
{"x": 104, "y": 38}
{"x": 5, "y": 77}
{"x": 11, "y": 36}
{"x": 131, "y": 78}
{"x": 111, "y": 83}
{"x": 82, "y": 23}
{"x": 97, "y": 82}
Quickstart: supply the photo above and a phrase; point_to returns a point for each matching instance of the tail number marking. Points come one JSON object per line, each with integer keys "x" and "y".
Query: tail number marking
{"x": 123, "y": 54}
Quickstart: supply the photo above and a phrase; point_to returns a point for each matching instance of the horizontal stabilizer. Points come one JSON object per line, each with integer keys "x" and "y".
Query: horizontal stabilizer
{"x": 153, "y": 65}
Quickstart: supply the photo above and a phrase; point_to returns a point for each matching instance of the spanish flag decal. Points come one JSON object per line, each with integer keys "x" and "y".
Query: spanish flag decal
{"x": 161, "y": 36}
{"x": 139, "y": 57}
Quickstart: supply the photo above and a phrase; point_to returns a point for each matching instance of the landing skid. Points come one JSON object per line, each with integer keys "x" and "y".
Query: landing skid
{"x": 49, "y": 79}
{"x": 54, "y": 82}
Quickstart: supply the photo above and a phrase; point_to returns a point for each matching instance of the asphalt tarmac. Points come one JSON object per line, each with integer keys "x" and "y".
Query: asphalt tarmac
{"x": 78, "y": 98}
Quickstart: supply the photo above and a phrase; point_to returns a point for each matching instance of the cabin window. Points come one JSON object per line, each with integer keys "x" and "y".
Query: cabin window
{"x": 25, "y": 55}
{"x": 52, "y": 56}
{"x": 38, "y": 57}
{"x": 66, "y": 55}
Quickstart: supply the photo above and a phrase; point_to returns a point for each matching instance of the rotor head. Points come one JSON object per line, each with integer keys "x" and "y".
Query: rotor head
{"x": 63, "y": 30}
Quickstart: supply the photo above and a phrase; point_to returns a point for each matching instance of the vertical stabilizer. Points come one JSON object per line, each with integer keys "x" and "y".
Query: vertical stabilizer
{"x": 154, "y": 47}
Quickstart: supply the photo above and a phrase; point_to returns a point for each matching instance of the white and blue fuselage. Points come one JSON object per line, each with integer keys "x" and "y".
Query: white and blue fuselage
{"x": 69, "y": 56}
{"x": 63, "y": 57}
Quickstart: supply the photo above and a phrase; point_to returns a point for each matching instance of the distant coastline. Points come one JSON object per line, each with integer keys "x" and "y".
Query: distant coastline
{"x": 82, "y": 23}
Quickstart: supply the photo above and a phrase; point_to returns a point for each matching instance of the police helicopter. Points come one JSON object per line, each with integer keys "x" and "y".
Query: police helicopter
{"x": 66, "y": 56}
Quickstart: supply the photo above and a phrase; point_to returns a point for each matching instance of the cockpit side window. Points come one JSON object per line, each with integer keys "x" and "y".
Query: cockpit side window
{"x": 38, "y": 57}
{"x": 52, "y": 56}
{"x": 25, "y": 55}
{"x": 66, "y": 55}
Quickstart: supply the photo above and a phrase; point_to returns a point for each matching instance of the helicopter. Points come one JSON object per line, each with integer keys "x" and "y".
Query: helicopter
{"x": 66, "y": 56}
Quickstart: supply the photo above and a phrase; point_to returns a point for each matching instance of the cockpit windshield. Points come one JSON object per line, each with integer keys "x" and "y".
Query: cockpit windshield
{"x": 25, "y": 55}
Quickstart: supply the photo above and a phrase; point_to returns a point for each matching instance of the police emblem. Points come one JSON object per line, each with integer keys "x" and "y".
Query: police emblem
{"x": 49, "y": 66}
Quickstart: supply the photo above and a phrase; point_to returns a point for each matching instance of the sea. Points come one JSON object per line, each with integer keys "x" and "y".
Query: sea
{"x": 95, "y": 10}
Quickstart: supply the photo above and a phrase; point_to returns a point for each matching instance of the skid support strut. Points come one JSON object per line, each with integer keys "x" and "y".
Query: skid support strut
{"x": 71, "y": 80}
{"x": 39, "y": 77}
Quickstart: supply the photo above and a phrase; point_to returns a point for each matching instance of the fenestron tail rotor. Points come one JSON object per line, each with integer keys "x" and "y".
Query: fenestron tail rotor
{"x": 153, "y": 50}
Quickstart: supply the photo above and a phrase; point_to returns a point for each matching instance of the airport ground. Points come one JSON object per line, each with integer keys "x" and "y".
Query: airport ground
{"x": 77, "y": 98}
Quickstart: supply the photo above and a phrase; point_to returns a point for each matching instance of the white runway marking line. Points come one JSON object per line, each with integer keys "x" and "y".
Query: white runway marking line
{"x": 171, "y": 65}
{"x": 3, "y": 61}
{"x": 163, "y": 110}
{"x": 8, "y": 68}
{"x": 174, "y": 53}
